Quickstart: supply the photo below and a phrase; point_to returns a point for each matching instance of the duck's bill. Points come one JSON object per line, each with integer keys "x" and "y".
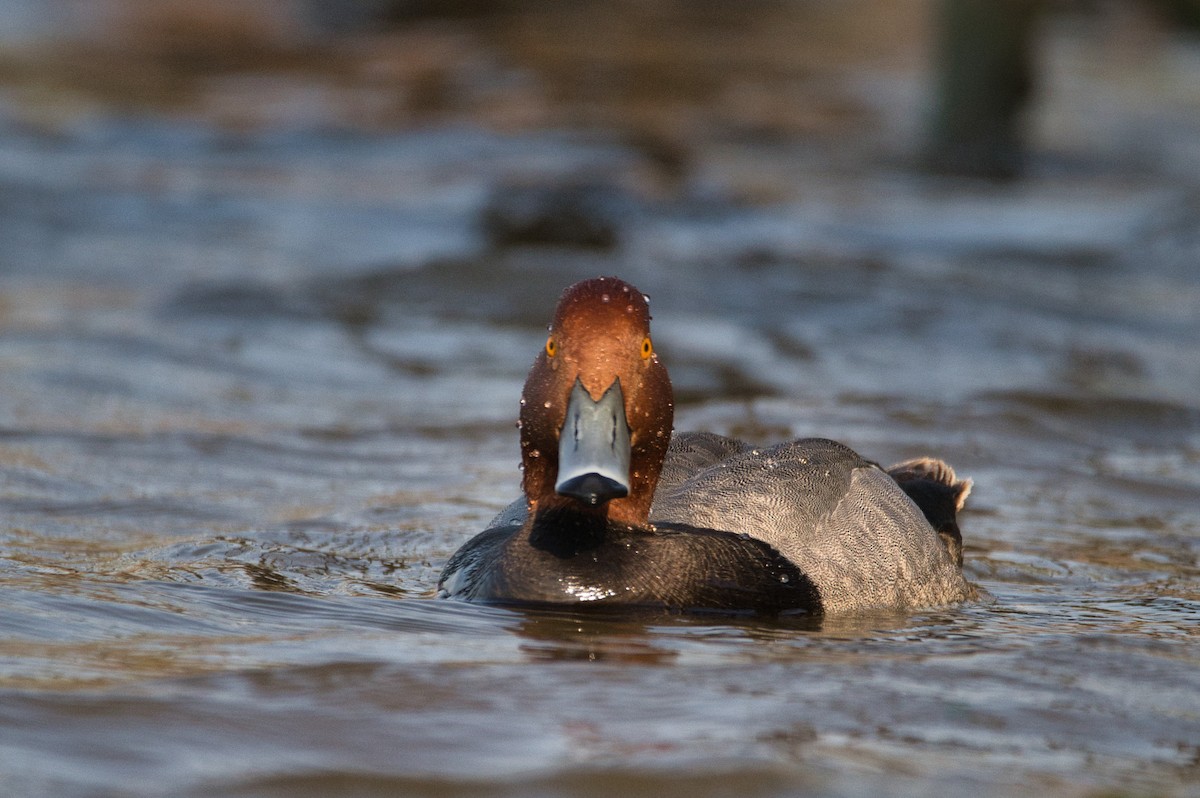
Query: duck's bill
{"x": 593, "y": 447}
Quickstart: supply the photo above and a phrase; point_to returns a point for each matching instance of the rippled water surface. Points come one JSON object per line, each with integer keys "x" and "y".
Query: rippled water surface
{"x": 257, "y": 388}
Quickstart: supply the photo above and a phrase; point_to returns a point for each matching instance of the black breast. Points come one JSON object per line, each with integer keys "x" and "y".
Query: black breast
{"x": 671, "y": 567}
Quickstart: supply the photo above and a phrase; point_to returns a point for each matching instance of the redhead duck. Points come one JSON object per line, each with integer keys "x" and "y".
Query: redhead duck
{"x": 616, "y": 511}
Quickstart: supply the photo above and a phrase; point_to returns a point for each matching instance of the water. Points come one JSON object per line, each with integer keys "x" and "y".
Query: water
{"x": 257, "y": 388}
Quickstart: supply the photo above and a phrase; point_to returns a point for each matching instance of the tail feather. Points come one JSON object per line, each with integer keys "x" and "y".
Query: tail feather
{"x": 939, "y": 493}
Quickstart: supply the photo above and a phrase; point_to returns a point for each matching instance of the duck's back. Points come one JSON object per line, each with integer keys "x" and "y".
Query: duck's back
{"x": 842, "y": 520}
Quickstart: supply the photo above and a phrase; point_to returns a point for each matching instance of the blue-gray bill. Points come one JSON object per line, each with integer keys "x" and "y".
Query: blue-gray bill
{"x": 593, "y": 447}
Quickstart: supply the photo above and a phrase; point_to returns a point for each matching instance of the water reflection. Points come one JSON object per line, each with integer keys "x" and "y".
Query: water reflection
{"x": 556, "y": 637}
{"x": 660, "y": 638}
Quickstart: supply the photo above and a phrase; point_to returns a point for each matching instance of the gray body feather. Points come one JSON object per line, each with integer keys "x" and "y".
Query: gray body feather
{"x": 842, "y": 520}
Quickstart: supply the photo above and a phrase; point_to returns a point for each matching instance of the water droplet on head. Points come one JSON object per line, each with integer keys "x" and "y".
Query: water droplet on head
{"x": 534, "y": 453}
{"x": 604, "y": 297}
{"x": 522, "y": 401}
{"x": 783, "y": 578}
{"x": 547, "y": 404}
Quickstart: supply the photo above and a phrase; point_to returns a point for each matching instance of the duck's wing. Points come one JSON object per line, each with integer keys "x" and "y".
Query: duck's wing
{"x": 512, "y": 515}
{"x": 844, "y": 521}
{"x": 464, "y": 575}
{"x": 691, "y": 453}
{"x": 781, "y": 491}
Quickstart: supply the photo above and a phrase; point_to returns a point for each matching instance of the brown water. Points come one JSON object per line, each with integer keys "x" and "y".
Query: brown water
{"x": 256, "y": 388}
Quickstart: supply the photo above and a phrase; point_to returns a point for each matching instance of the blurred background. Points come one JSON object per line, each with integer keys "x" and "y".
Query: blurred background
{"x": 678, "y": 80}
{"x": 271, "y": 276}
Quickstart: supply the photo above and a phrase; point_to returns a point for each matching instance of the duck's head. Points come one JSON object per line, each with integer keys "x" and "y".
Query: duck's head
{"x": 597, "y": 408}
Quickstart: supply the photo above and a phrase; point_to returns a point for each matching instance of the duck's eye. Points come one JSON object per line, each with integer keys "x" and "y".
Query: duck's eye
{"x": 647, "y": 348}
{"x": 551, "y": 346}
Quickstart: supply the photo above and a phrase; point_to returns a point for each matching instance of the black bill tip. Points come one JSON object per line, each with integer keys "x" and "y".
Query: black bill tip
{"x": 592, "y": 488}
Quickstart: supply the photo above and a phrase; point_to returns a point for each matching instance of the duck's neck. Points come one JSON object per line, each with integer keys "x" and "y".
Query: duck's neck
{"x": 566, "y": 529}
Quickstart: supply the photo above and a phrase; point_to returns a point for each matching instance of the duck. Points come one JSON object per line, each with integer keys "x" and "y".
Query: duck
{"x": 619, "y": 511}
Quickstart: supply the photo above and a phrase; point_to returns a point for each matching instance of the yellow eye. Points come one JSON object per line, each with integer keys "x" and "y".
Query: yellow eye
{"x": 647, "y": 348}
{"x": 551, "y": 346}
